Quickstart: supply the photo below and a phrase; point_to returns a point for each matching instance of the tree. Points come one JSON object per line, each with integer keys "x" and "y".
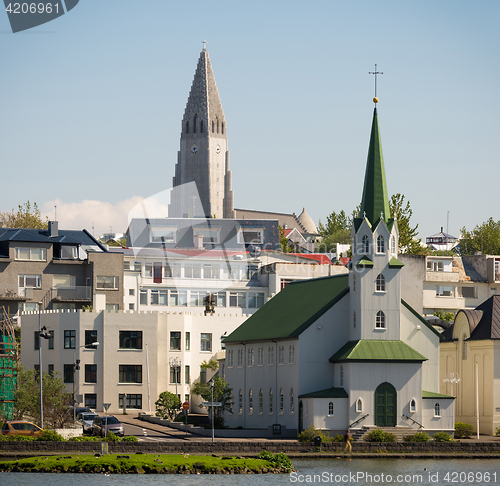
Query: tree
{"x": 222, "y": 392}
{"x": 56, "y": 401}
{"x": 402, "y": 213}
{"x": 167, "y": 405}
{"x": 484, "y": 238}
{"x": 336, "y": 230}
{"x": 25, "y": 216}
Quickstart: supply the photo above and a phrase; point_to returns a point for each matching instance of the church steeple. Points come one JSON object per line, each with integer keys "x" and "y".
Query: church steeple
{"x": 375, "y": 200}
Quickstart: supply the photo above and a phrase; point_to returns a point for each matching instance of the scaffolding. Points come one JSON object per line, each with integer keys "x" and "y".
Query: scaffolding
{"x": 9, "y": 359}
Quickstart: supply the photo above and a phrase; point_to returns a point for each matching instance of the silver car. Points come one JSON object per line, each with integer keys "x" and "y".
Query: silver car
{"x": 86, "y": 420}
{"x": 109, "y": 424}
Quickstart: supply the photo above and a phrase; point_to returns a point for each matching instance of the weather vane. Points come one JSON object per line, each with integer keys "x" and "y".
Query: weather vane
{"x": 375, "y": 73}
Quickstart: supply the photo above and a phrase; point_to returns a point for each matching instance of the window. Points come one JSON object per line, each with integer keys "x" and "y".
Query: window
{"x": 380, "y": 283}
{"x": 393, "y": 244}
{"x": 69, "y": 339}
{"x": 270, "y": 356}
{"x": 68, "y": 373}
{"x": 175, "y": 374}
{"x": 435, "y": 266}
{"x": 131, "y": 306}
{"x": 380, "y": 320}
{"x": 64, "y": 281}
{"x": 203, "y": 375}
{"x": 31, "y": 254}
{"x": 250, "y": 357}
{"x": 413, "y": 406}
{"x": 230, "y": 358}
{"x": 69, "y": 252}
{"x": 206, "y": 341}
{"x": 282, "y": 401}
{"x": 292, "y": 404}
{"x": 130, "y": 374}
{"x": 255, "y": 300}
{"x": 30, "y": 281}
{"x": 237, "y": 299}
{"x": 210, "y": 236}
{"x": 240, "y": 402}
{"x": 380, "y": 244}
{"x": 220, "y": 299}
{"x": 162, "y": 235}
{"x": 354, "y": 320}
{"x": 158, "y": 297}
{"x": 112, "y": 307}
{"x": 198, "y": 298}
{"x": 188, "y": 341}
{"x": 187, "y": 375}
{"x": 175, "y": 340}
{"x": 51, "y": 339}
{"x": 130, "y": 339}
{"x": 178, "y": 298}
{"x": 37, "y": 340}
{"x": 246, "y": 236}
{"x": 211, "y": 271}
{"x": 468, "y": 292}
{"x": 330, "y": 408}
{"x": 250, "y": 401}
{"x": 91, "y": 400}
{"x": 143, "y": 297}
{"x": 252, "y": 272}
{"x": 341, "y": 375}
{"x": 291, "y": 354}
{"x": 137, "y": 266}
{"x": 281, "y": 355}
{"x": 90, "y": 373}
{"x": 437, "y": 410}
{"x": 261, "y": 401}
{"x": 464, "y": 347}
{"x": 359, "y": 405}
{"x": 240, "y": 358}
{"x": 106, "y": 283}
{"x": 90, "y": 337}
{"x": 192, "y": 270}
{"x": 133, "y": 400}
{"x": 261, "y": 356}
{"x": 365, "y": 244}
{"x": 148, "y": 270}
{"x": 445, "y": 291}
{"x": 271, "y": 400}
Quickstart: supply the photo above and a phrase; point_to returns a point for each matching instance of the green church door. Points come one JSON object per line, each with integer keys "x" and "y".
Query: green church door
{"x": 385, "y": 405}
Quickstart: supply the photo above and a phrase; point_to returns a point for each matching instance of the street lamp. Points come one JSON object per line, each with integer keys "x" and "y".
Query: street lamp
{"x": 451, "y": 378}
{"x": 176, "y": 363}
{"x": 42, "y": 333}
{"x": 76, "y": 366}
{"x": 212, "y": 387}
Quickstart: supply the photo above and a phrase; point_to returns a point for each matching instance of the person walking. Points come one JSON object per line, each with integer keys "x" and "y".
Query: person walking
{"x": 348, "y": 441}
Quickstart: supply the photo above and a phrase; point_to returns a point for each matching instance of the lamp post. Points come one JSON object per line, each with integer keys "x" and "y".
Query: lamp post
{"x": 42, "y": 333}
{"x": 76, "y": 366}
{"x": 212, "y": 387}
{"x": 176, "y": 363}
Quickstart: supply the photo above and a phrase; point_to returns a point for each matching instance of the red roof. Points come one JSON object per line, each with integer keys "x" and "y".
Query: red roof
{"x": 319, "y": 257}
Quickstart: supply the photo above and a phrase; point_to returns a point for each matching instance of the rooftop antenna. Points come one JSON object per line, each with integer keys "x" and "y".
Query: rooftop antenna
{"x": 375, "y": 73}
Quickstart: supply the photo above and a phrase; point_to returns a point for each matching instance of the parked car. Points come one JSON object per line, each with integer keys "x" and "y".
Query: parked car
{"x": 109, "y": 423}
{"x": 21, "y": 427}
{"x": 86, "y": 420}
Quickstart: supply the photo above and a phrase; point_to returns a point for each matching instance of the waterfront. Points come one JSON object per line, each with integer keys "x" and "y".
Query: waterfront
{"x": 309, "y": 471}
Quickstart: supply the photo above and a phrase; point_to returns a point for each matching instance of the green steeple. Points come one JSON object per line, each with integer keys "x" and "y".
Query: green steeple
{"x": 375, "y": 200}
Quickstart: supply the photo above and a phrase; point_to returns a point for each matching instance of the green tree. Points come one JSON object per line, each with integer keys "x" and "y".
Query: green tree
{"x": 55, "y": 400}
{"x": 445, "y": 316}
{"x": 402, "y": 213}
{"x": 26, "y": 216}
{"x": 285, "y": 245}
{"x": 222, "y": 391}
{"x": 336, "y": 230}
{"x": 167, "y": 405}
{"x": 484, "y": 238}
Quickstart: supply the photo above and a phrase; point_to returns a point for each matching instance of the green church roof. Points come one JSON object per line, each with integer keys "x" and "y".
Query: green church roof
{"x": 377, "y": 350}
{"x": 364, "y": 262}
{"x": 426, "y": 394}
{"x": 395, "y": 263}
{"x": 328, "y": 393}
{"x": 375, "y": 200}
{"x": 292, "y": 310}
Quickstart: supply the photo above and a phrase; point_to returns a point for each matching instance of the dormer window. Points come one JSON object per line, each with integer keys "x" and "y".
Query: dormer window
{"x": 31, "y": 254}
{"x": 380, "y": 244}
{"x": 365, "y": 244}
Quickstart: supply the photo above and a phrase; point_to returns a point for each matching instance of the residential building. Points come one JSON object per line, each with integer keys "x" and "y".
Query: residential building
{"x": 61, "y": 269}
{"x": 344, "y": 351}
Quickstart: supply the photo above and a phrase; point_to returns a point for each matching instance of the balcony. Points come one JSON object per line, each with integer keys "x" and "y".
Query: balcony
{"x": 74, "y": 294}
{"x": 202, "y": 283}
{"x": 9, "y": 292}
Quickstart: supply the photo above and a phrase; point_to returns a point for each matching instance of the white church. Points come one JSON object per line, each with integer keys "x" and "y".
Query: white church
{"x": 343, "y": 351}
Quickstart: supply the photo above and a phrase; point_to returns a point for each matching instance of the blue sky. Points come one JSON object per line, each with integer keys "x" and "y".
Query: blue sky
{"x": 91, "y": 104}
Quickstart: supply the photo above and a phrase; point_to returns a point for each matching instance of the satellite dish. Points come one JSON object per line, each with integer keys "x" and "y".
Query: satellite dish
{"x": 254, "y": 251}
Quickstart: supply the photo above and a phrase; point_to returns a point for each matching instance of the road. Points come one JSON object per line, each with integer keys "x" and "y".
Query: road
{"x": 146, "y": 434}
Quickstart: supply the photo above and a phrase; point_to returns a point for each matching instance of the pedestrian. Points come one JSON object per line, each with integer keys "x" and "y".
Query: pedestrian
{"x": 348, "y": 441}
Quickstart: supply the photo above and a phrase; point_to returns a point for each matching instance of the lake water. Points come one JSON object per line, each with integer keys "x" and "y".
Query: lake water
{"x": 309, "y": 471}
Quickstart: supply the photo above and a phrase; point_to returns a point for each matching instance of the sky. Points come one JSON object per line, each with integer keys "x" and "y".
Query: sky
{"x": 91, "y": 105}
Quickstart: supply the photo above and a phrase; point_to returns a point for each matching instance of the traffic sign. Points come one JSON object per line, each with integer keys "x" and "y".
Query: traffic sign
{"x": 210, "y": 404}
{"x": 106, "y": 406}
{"x": 185, "y": 405}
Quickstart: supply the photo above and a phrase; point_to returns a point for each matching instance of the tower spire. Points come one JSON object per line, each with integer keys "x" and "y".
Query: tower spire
{"x": 375, "y": 202}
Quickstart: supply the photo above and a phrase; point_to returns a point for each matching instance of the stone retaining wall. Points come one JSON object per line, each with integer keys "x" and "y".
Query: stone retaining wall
{"x": 243, "y": 447}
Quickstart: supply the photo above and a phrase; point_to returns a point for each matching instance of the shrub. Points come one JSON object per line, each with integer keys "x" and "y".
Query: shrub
{"x": 463, "y": 431}
{"x": 442, "y": 437}
{"x": 309, "y": 434}
{"x": 417, "y": 437}
{"x": 84, "y": 438}
{"x": 130, "y": 438}
{"x": 280, "y": 460}
{"x": 112, "y": 437}
{"x": 23, "y": 437}
{"x": 497, "y": 431}
{"x": 378, "y": 435}
{"x": 50, "y": 435}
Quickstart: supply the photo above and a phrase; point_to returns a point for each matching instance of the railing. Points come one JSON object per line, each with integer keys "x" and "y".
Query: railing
{"x": 69, "y": 294}
{"x": 414, "y": 421}
{"x": 10, "y": 292}
{"x": 358, "y": 421}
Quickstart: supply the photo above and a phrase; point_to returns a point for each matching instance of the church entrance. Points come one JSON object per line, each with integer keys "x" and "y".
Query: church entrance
{"x": 385, "y": 405}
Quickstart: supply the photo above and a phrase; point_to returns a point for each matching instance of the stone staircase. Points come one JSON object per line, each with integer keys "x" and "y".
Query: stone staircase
{"x": 399, "y": 432}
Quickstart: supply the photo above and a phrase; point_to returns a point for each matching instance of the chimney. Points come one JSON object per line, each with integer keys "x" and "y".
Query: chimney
{"x": 53, "y": 228}
{"x": 198, "y": 242}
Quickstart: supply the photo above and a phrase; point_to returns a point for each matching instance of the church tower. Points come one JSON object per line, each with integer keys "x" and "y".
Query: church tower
{"x": 203, "y": 157}
{"x": 374, "y": 277}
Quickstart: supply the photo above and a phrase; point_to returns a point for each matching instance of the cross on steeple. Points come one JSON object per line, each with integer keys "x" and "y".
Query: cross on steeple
{"x": 205, "y": 46}
{"x": 375, "y": 74}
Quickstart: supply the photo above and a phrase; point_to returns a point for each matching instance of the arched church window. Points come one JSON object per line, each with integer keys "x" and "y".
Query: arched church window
{"x": 261, "y": 401}
{"x": 250, "y": 401}
{"x": 282, "y": 401}
{"x": 365, "y": 244}
{"x": 187, "y": 127}
{"x": 413, "y": 406}
{"x": 270, "y": 400}
{"x": 330, "y": 408}
{"x": 240, "y": 401}
{"x": 380, "y": 320}
{"x": 380, "y": 283}
{"x": 393, "y": 244}
{"x": 292, "y": 405}
{"x": 437, "y": 410}
{"x": 380, "y": 244}
{"x": 464, "y": 347}
{"x": 194, "y": 124}
{"x": 217, "y": 125}
{"x": 359, "y": 405}
{"x": 354, "y": 320}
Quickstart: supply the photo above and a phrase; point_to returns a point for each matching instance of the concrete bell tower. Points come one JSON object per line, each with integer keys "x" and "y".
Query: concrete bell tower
{"x": 203, "y": 157}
